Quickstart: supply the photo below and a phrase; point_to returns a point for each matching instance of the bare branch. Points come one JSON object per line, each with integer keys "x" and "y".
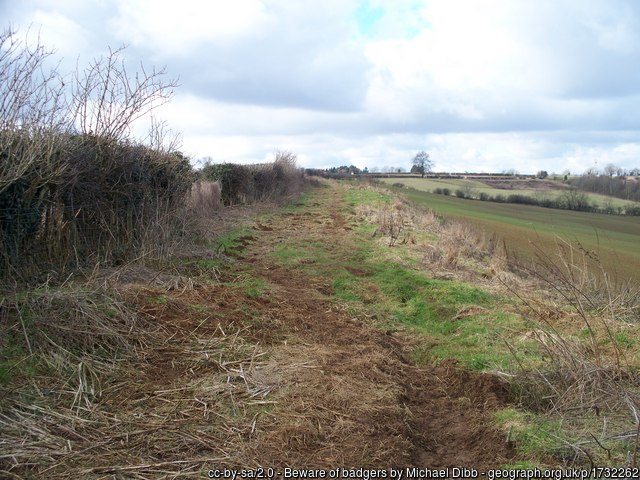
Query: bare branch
{"x": 107, "y": 99}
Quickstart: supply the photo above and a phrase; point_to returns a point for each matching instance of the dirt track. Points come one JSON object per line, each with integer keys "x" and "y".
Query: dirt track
{"x": 351, "y": 397}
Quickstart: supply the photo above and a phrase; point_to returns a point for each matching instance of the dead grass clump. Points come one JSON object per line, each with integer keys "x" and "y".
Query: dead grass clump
{"x": 451, "y": 247}
{"x": 138, "y": 275}
{"x": 98, "y": 406}
{"x": 158, "y": 416}
{"x": 459, "y": 242}
{"x": 72, "y": 319}
{"x": 204, "y": 198}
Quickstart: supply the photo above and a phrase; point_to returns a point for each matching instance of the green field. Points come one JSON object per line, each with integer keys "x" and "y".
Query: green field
{"x": 615, "y": 239}
{"x": 474, "y": 187}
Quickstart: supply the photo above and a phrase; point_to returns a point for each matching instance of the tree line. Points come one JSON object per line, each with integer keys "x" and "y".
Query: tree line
{"x": 612, "y": 180}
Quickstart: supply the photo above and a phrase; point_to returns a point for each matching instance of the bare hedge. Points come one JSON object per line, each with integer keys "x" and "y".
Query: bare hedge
{"x": 90, "y": 199}
{"x": 247, "y": 184}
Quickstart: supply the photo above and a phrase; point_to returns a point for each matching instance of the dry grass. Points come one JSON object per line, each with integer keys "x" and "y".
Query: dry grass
{"x": 449, "y": 248}
{"x": 461, "y": 244}
{"x": 72, "y": 319}
{"x": 204, "y": 198}
{"x": 183, "y": 402}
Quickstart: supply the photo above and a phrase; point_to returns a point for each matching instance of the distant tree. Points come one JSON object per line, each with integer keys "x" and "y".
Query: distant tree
{"x": 365, "y": 170}
{"x": 421, "y": 163}
{"x": 610, "y": 170}
{"x": 542, "y": 174}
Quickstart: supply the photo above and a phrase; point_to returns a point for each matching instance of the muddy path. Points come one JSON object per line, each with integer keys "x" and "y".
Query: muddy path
{"x": 347, "y": 392}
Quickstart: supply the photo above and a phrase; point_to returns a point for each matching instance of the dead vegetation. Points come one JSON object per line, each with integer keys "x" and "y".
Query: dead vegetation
{"x": 138, "y": 385}
{"x": 204, "y": 198}
{"x": 448, "y": 247}
{"x": 585, "y": 326}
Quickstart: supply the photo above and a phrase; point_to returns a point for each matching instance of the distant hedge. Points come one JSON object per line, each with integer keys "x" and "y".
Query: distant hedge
{"x": 572, "y": 199}
{"x": 247, "y": 184}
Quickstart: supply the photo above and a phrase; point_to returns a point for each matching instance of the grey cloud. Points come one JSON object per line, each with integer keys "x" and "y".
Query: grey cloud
{"x": 303, "y": 58}
{"x": 279, "y": 74}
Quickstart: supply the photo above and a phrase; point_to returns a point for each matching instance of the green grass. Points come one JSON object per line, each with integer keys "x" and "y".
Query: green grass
{"x": 300, "y": 203}
{"x": 461, "y": 321}
{"x": 536, "y": 435}
{"x": 615, "y": 239}
{"x": 231, "y": 240}
{"x": 209, "y": 263}
{"x": 533, "y": 434}
{"x": 16, "y": 361}
{"x": 254, "y": 287}
{"x": 475, "y": 187}
{"x": 356, "y": 196}
{"x": 455, "y": 319}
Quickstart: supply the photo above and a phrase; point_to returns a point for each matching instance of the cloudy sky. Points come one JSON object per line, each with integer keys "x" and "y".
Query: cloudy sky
{"x": 482, "y": 85}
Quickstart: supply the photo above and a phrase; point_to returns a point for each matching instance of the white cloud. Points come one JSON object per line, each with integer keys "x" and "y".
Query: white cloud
{"x": 179, "y": 27}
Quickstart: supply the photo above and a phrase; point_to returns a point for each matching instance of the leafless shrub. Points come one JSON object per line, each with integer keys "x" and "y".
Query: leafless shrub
{"x": 391, "y": 222}
{"x": 590, "y": 372}
{"x": 582, "y": 288}
{"x": 31, "y": 96}
{"x": 107, "y": 99}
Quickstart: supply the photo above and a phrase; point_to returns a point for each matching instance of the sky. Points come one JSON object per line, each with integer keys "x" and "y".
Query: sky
{"x": 481, "y": 85}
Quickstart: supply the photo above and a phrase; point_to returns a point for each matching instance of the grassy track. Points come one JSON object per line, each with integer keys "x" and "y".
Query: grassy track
{"x": 615, "y": 239}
